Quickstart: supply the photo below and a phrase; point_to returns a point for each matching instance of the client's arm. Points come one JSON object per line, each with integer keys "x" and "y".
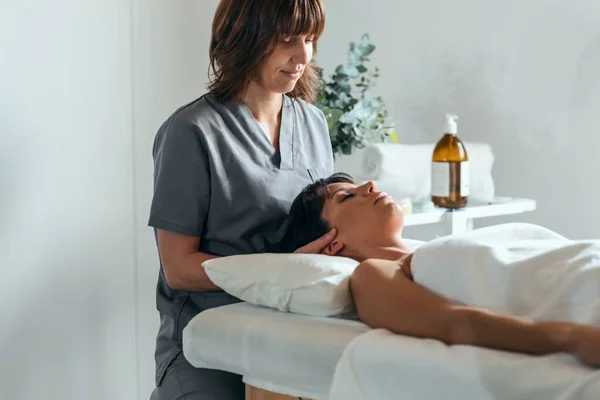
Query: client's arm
{"x": 386, "y": 298}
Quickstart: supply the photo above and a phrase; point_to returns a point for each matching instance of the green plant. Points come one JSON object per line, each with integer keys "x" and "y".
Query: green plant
{"x": 355, "y": 117}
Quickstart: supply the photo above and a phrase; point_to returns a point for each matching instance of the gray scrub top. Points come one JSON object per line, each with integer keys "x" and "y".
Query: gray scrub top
{"x": 218, "y": 177}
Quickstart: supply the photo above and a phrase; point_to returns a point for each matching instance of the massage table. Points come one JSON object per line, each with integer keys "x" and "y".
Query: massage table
{"x": 285, "y": 356}
{"x": 277, "y": 353}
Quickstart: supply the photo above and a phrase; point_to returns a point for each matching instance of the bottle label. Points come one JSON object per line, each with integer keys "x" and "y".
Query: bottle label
{"x": 440, "y": 179}
{"x": 464, "y": 178}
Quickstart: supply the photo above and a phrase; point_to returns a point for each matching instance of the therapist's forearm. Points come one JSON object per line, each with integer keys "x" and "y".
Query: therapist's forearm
{"x": 189, "y": 274}
{"x": 485, "y": 329}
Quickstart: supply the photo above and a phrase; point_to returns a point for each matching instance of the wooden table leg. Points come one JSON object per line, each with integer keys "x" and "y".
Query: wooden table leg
{"x": 253, "y": 393}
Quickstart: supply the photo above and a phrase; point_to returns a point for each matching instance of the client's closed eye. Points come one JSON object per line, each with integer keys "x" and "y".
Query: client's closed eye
{"x": 346, "y": 196}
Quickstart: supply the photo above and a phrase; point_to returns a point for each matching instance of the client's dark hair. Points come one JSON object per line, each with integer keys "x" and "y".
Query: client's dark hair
{"x": 304, "y": 221}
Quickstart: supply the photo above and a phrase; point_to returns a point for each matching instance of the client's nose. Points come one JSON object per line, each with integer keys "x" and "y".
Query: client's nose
{"x": 370, "y": 187}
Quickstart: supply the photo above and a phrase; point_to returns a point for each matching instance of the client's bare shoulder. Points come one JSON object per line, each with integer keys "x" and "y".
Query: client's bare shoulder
{"x": 402, "y": 263}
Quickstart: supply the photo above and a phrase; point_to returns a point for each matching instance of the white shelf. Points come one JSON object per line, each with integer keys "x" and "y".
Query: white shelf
{"x": 462, "y": 219}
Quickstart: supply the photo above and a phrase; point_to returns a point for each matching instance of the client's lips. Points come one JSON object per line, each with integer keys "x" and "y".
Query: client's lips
{"x": 380, "y": 196}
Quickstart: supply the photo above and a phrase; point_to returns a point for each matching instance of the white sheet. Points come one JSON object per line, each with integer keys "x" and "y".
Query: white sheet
{"x": 285, "y": 353}
{"x": 381, "y": 365}
{"x": 515, "y": 269}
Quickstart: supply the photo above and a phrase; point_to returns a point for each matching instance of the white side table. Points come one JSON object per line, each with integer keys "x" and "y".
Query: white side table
{"x": 461, "y": 220}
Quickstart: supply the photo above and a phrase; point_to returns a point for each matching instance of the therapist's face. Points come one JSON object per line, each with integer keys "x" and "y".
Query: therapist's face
{"x": 282, "y": 69}
{"x": 364, "y": 217}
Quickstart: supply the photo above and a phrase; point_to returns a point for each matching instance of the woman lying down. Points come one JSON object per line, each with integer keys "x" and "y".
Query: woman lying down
{"x": 513, "y": 287}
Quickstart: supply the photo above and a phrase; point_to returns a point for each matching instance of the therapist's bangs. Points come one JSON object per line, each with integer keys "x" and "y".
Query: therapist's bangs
{"x": 305, "y": 222}
{"x": 301, "y": 17}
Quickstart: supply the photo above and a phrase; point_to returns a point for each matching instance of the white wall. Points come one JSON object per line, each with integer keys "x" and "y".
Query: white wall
{"x": 67, "y": 255}
{"x": 89, "y": 83}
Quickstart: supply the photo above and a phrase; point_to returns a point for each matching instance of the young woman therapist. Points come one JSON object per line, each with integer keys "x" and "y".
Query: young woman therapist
{"x": 228, "y": 166}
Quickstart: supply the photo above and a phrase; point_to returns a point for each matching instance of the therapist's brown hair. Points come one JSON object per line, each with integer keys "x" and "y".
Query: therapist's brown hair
{"x": 245, "y": 32}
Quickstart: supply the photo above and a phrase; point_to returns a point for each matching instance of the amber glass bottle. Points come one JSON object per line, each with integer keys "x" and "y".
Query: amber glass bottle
{"x": 450, "y": 169}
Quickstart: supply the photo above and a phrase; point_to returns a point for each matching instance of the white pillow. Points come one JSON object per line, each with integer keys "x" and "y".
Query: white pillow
{"x": 310, "y": 284}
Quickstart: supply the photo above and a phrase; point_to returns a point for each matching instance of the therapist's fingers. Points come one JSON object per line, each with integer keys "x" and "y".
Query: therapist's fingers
{"x": 317, "y": 246}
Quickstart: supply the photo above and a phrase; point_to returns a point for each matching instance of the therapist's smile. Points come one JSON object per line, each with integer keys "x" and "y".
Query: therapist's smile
{"x": 293, "y": 74}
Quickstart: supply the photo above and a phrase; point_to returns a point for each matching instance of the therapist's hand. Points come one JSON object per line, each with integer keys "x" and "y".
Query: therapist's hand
{"x": 317, "y": 246}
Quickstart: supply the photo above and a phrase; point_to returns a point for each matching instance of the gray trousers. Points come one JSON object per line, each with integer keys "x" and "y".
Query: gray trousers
{"x": 182, "y": 381}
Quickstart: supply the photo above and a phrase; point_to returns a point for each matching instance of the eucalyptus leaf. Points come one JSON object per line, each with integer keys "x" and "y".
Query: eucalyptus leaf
{"x": 354, "y": 116}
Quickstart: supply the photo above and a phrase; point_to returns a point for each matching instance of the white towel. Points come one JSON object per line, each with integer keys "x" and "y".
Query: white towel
{"x": 404, "y": 170}
{"x": 522, "y": 270}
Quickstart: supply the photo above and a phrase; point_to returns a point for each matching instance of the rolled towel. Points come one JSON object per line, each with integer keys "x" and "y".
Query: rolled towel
{"x": 404, "y": 170}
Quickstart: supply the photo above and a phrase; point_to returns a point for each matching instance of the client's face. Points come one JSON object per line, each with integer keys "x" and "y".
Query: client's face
{"x": 363, "y": 216}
